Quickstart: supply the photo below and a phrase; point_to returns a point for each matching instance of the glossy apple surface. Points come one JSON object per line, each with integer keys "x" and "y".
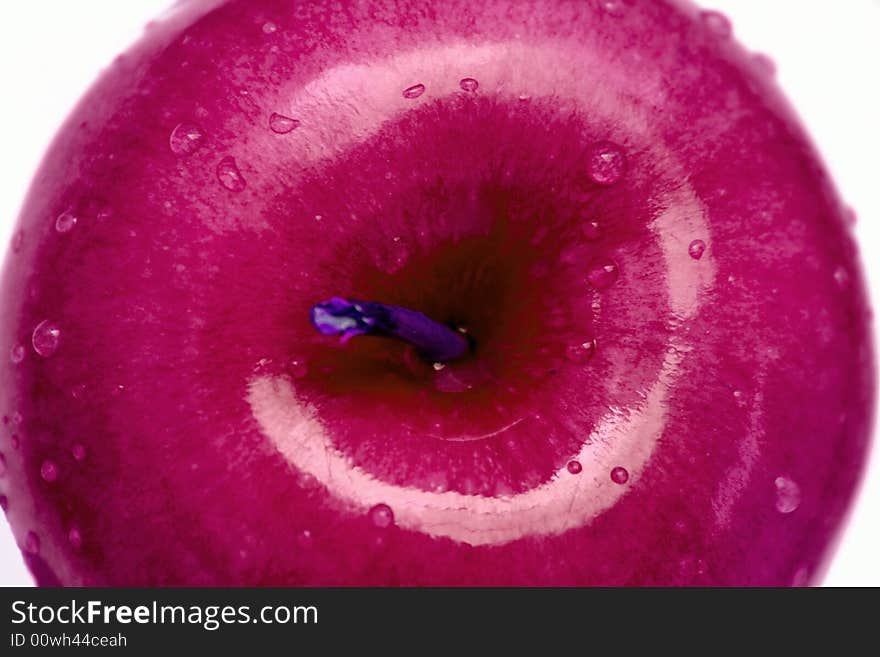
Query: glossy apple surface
{"x": 671, "y": 380}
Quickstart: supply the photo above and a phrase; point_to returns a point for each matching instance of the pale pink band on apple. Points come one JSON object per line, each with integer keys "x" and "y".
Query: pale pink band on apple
{"x": 624, "y": 436}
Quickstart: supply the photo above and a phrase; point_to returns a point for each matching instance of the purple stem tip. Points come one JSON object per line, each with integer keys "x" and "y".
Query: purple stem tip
{"x": 348, "y": 318}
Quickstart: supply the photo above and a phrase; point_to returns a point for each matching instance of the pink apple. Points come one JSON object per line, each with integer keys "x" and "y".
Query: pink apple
{"x": 666, "y": 377}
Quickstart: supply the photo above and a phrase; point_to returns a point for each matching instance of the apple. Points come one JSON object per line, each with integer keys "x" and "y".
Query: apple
{"x": 628, "y": 342}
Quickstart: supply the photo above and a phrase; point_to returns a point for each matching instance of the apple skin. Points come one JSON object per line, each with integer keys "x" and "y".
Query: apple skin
{"x": 686, "y": 318}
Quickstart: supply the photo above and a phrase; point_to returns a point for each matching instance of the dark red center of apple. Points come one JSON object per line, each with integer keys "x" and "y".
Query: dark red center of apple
{"x": 509, "y": 221}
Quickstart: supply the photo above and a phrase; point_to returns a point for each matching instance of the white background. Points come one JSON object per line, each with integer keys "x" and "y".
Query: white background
{"x": 827, "y": 54}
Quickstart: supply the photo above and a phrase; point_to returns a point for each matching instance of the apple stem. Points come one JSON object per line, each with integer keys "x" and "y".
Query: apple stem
{"x": 348, "y": 318}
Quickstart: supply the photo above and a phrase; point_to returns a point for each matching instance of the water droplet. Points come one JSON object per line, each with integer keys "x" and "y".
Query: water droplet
{"x": 574, "y": 467}
{"x": 46, "y": 337}
{"x": 17, "y": 241}
{"x": 281, "y": 124}
{"x": 602, "y": 273}
{"x": 524, "y": 97}
{"x": 581, "y": 352}
{"x": 4, "y": 503}
{"x": 65, "y": 222}
{"x": 765, "y": 63}
{"x": 591, "y": 230}
{"x": 469, "y": 84}
{"x": 717, "y": 23}
{"x": 606, "y": 163}
{"x": 619, "y": 475}
{"x": 696, "y": 249}
{"x": 49, "y": 471}
{"x": 414, "y": 91}
{"x": 78, "y": 451}
{"x": 439, "y": 366}
{"x": 2, "y": 464}
{"x": 229, "y": 175}
{"x": 841, "y": 276}
{"x": 32, "y": 543}
{"x": 382, "y": 516}
{"x": 16, "y": 354}
{"x": 269, "y": 27}
{"x": 186, "y": 138}
{"x": 78, "y": 391}
{"x": 74, "y": 537}
{"x": 788, "y": 495}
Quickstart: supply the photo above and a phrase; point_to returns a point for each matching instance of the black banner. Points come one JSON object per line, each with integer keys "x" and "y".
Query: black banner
{"x": 136, "y": 620}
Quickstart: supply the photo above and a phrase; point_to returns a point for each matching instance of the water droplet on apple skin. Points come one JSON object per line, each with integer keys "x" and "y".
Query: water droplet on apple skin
{"x": 65, "y": 222}
{"x": 696, "y": 249}
{"x": 269, "y": 27}
{"x": 185, "y": 139}
{"x": 281, "y": 124}
{"x": 717, "y": 23}
{"x": 602, "y": 273}
{"x": 46, "y": 338}
{"x": 469, "y": 84}
{"x": 16, "y": 354}
{"x": 788, "y": 495}
{"x": 229, "y": 175}
{"x": 619, "y": 475}
{"x": 581, "y": 352}
{"x": 574, "y": 467}
{"x": 606, "y": 163}
{"x": 414, "y": 91}
{"x": 49, "y": 471}
{"x": 381, "y": 516}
